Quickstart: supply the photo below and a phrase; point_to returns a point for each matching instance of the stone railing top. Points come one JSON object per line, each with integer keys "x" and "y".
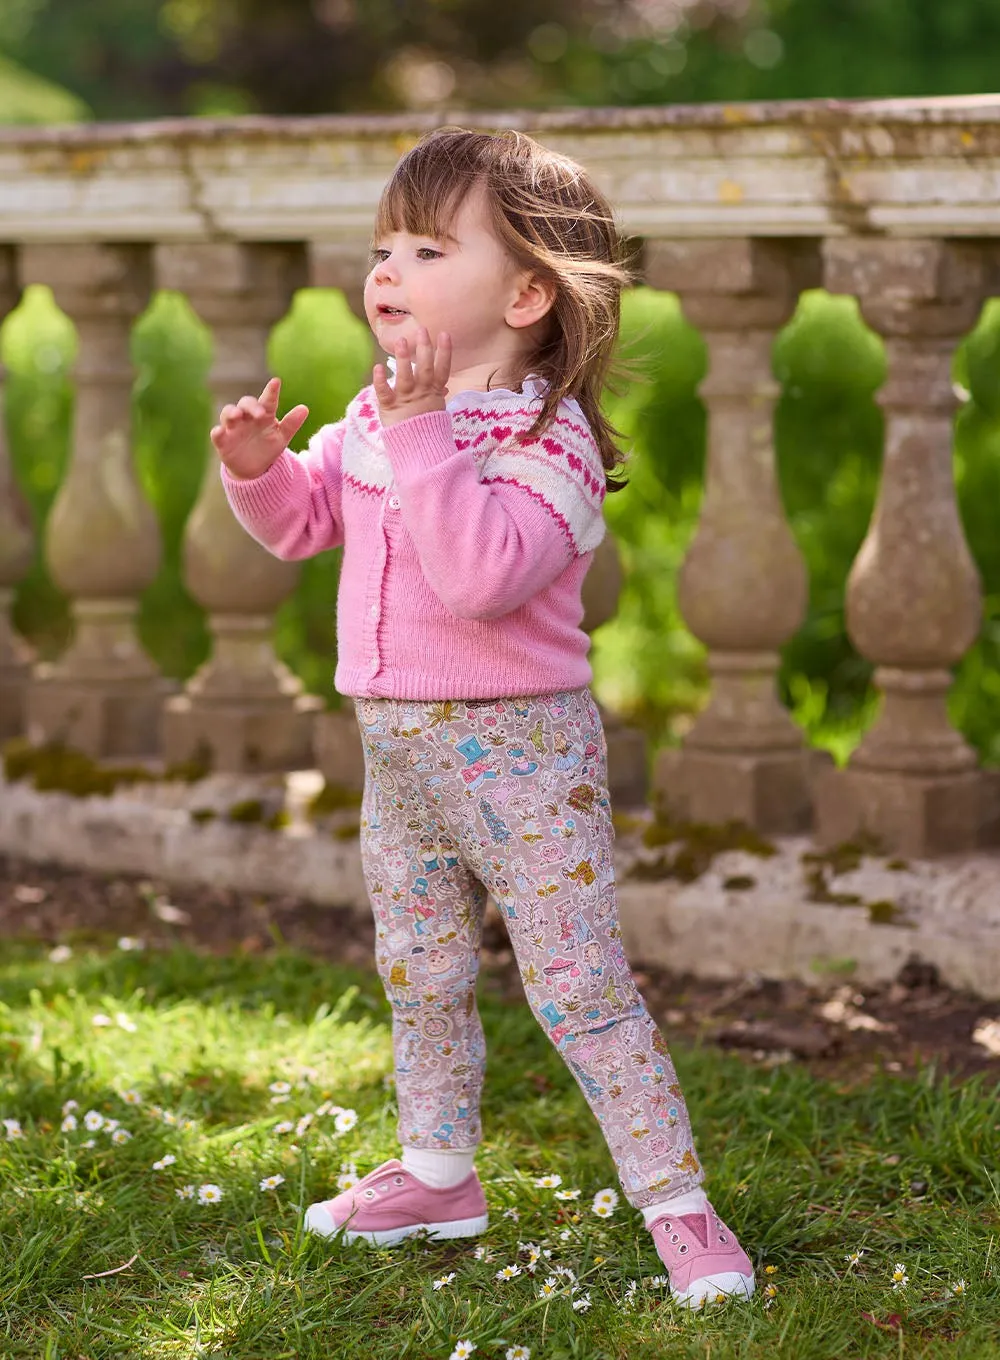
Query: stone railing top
{"x": 925, "y": 167}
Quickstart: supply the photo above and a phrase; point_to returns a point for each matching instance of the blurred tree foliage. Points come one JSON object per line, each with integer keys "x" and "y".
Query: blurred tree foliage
{"x": 61, "y": 59}
{"x": 150, "y": 58}
{"x": 646, "y": 663}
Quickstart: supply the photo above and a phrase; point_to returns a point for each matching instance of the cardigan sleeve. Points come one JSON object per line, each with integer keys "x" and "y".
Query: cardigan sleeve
{"x": 488, "y": 544}
{"x": 294, "y": 508}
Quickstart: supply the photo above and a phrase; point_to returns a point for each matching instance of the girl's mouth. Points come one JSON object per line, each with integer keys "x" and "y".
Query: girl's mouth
{"x": 384, "y": 310}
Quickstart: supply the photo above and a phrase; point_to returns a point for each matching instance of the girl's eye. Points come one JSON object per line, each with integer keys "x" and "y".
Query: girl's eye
{"x": 427, "y": 250}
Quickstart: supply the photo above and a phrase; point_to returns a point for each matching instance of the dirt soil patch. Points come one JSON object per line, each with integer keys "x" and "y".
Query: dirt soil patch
{"x": 841, "y": 1030}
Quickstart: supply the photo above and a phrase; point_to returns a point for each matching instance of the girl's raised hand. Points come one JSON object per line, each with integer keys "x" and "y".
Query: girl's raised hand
{"x": 420, "y": 387}
{"x": 249, "y": 436}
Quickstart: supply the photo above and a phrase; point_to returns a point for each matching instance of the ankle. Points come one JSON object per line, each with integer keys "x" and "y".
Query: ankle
{"x": 691, "y": 1202}
{"x": 439, "y": 1169}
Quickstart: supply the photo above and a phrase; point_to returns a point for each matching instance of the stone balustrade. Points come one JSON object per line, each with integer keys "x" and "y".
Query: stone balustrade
{"x": 738, "y": 209}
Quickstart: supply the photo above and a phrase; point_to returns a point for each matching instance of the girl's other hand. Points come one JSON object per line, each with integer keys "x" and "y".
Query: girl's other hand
{"x": 420, "y": 387}
{"x": 249, "y": 436}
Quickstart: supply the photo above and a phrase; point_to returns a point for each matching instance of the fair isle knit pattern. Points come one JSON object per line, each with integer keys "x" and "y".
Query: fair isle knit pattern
{"x": 465, "y": 549}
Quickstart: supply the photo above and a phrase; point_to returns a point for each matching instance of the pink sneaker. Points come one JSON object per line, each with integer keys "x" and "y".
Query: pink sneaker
{"x": 703, "y": 1258}
{"x": 390, "y": 1204}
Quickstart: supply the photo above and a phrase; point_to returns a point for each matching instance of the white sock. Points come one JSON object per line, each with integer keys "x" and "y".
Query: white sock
{"x": 439, "y": 1169}
{"x": 694, "y": 1202}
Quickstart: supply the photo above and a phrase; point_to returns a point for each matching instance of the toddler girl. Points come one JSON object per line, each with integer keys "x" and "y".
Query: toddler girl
{"x": 467, "y": 491}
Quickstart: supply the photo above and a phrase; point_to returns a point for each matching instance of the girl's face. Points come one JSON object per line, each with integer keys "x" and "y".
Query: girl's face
{"x": 464, "y": 284}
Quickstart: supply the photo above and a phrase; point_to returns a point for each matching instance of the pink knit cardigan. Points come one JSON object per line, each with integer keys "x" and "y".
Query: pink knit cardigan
{"x": 464, "y": 551}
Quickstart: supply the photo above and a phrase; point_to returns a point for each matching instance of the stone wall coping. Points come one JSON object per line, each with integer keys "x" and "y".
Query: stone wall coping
{"x": 812, "y": 168}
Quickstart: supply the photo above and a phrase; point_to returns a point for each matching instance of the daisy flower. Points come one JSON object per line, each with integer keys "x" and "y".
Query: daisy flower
{"x": 60, "y": 954}
{"x": 565, "y": 1272}
{"x": 89, "y": 1143}
{"x": 69, "y": 1106}
{"x": 185, "y": 1192}
{"x": 853, "y": 1258}
{"x": 581, "y": 1303}
{"x": 280, "y": 1088}
{"x": 69, "y": 1123}
{"x": 551, "y": 1182}
{"x": 285, "y": 1126}
{"x": 630, "y": 1289}
{"x": 348, "y": 1176}
{"x": 443, "y": 1280}
{"x": 209, "y": 1194}
{"x": 900, "y": 1279}
{"x": 120, "y": 1135}
{"x": 131, "y": 1097}
{"x": 567, "y": 1194}
{"x": 512, "y": 1213}
{"x": 14, "y": 1130}
{"x": 123, "y": 1022}
{"x": 605, "y": 1202}
{"x": 110, "y": 1125}
{"x": 462, "y": 1351}
{"x": 303, "y": 1125}
{"x": 129, "y": 943}
{"x": 272, "y": 1182}
{"x": 517, "y": 1353}
{"x": 101, "y": 1020}
{"x": 508, "y": 1272}
{"x": 164, "y": 1162}
{"x": 770, "y": 1291}
{"x": 92, "y": 1121}
{"x": 549, "y": 1287}
{"x": 345, "y": 1121}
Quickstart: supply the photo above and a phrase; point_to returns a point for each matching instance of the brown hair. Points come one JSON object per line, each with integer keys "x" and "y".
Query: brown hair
{"x": 552, "y": 221}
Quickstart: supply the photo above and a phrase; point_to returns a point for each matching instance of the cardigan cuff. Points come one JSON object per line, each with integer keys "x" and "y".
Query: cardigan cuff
{"x": 419, "y": 443}
{"x": 260, "y": 497}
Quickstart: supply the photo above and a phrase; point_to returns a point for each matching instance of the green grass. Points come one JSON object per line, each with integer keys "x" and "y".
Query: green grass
{"x": 804, "y": 1170}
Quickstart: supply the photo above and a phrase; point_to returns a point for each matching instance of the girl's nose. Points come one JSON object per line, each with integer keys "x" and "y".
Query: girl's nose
{"x": 385, "y": 272}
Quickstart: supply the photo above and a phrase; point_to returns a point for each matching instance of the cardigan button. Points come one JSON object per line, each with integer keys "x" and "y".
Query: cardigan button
{"x": 393, "y": 502}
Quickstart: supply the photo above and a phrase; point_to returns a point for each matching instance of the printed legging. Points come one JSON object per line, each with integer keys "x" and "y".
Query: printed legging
{"x": 510, "y": 796}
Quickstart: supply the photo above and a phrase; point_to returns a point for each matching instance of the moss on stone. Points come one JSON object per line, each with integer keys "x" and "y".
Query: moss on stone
{"x": 739, "y": 883}
{"x": 278, "y": 820}
{"x": 883, "y": 913}
{"x": 248, "y": 810}
{"x": 333, "y": 798}
{"x": 203, "y": 814}
{"x": 54, "y": 767}
{"x": 696, "y": 845}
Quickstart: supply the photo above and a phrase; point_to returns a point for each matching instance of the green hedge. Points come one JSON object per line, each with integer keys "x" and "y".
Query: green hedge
{"x": 828, "y": 438}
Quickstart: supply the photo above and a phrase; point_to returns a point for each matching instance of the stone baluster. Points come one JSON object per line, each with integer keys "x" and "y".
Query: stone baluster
{"x": 16, "y": 543}
{"x": 243, "y": 710}
{"x": 341, "y": 263}
{"x": 628, "y": 782}
{"x": 913, "y": 596}
{"x": 102, "y": 541}
{"x": 743, "y": 585}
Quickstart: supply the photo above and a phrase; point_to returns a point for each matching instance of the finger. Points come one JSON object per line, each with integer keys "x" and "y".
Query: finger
{"x": 404, "y": 373}
{"x": 251, "y": 407}
{"x": 269, "y": 397}
{"x": 227, "y": 416}
{"x": 425, "y": 357}
{"x": 290, "y": 424}
{"x": 381, "y": 384}
{"x": 442, "y": 360}
{"x": 215, "y": 435}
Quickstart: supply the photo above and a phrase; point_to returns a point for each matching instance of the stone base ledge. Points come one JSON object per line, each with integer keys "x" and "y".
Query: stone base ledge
{"x": 945, "y": 911}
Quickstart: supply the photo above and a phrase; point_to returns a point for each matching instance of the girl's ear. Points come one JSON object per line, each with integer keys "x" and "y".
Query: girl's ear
{"x": 534, "y": 299}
